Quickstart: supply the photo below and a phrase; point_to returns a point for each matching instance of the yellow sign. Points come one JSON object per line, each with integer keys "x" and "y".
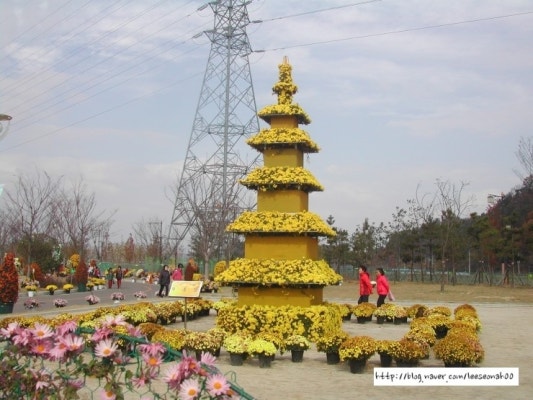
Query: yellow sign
{"x": 185, "y": 288}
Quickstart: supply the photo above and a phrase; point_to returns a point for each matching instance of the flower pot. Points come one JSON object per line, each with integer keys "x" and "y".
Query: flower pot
{"x": 455, "y": 365}
{"x": 361, "y": 320}
{"x": 236, "y": 359}
{"x": 6, "y": 308}
{"x": 406, "y": 364}
{"x": 357, "y": 366}
{"x": 385, "y": 360}
{"x": 397, "y": 321}
{"x": 66, "y": 291}
{"x": 31, "y": 293}
{"x": 264, "y": 361}
{"x": 333, "y": 358}
{"x": 441, "y": 331}
{"x": 347, "y": 317}
{"x": 380, "y": 320}
{"x": 297, "y": 355}
{"x": 82, "y": 287}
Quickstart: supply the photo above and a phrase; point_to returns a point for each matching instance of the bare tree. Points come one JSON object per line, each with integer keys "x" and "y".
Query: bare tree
{"x": 451, "y": 207}
{"x": 30, "y": 207}
{"x": 78, "y": 216}
{"x": 525, "y": 157}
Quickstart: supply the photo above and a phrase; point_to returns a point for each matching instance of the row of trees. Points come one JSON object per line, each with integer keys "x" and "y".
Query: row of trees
{"x": 436, "y": 234}
{"x": 47, "y": 219}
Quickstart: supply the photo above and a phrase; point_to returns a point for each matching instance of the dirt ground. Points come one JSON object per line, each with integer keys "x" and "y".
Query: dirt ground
{"x": 507, "y": 337}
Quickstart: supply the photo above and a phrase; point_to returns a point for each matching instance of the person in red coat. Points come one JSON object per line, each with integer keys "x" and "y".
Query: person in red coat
{"x": 365, "y": 287}
{"x": 383, "y": 287}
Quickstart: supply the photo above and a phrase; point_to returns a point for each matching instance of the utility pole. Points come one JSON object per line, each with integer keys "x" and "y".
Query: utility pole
{"x": 226, "y": 115}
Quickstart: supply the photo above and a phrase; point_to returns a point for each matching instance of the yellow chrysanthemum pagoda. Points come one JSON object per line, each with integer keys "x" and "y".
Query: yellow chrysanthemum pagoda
{"x": 281, "y": 263}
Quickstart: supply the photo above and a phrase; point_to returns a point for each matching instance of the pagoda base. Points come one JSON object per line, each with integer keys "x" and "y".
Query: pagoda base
{"x": 268, "y": 296}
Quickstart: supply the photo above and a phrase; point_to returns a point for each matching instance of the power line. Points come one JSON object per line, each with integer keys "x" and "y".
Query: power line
{"x": 396, "y": 32}
{"x": 315, "y": 11}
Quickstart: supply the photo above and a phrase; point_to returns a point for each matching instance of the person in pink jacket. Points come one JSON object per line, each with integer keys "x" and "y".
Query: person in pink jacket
{"x": 382, "y": 286}
{"x": 365, "y": 287}
{"x": 177, "y": 275}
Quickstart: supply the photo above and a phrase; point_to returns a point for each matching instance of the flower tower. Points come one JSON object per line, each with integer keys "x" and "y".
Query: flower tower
{"x": 281, "y": 263}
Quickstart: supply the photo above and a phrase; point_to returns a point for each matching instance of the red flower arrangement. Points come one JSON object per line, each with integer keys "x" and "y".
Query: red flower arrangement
{"x": 9, "y": 280}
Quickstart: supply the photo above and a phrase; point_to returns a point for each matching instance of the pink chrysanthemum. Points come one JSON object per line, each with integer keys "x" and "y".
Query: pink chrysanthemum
{"x": 152, "y": 349}
{"x": 41, "y": 347}
{"x": 208, "y": 359}
{"x": 217, "y": 385}
{"x": 12, "y": 329}
{"x": 189, "y": 390}
{"x": 107, "y": 395}
{"x": 105, "y": 348}
{"x": 42, "y": 331}
{"x": 66, "y": 327}
{"x": 173, "y": 376}
{"x": 74, "y": 344}
{"x": 152, "y": 361}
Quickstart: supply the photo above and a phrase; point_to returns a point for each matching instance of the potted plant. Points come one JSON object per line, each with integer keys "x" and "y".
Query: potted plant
{"x": 296, "y": 344}
{"x": 330, "y": 344}
{"x": 60, "y": 303}
{"x": 400, "y": 315}
{"x": 263, "y": 350}
{"x": 92, "y": 299}
{"x": 51, "y": 289}
{"x": 385, "y": 349}
{"x": 67, "y": 287}
{"x": 385, "y": 313}
{"x": 407, "y": 353}
{"x": 9, "y": 284}
{"x": 140, "y": 295}
{"x": 346, "y": 311}
{"x": 90, "y": 286}
{"x": 459, "y": 349}
{"x": 237, "y": 347}
{"x": 117, "y": 296}
{"x": 201, "y": 342}
{"x": 357, "y": 350}
{"x": 31, "y": 289}
{"x": 31, "y": 303}
{"x": 364, "y": 312}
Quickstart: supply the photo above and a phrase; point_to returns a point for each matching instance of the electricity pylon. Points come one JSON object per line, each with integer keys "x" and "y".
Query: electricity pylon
{"x": 208, "y": 194}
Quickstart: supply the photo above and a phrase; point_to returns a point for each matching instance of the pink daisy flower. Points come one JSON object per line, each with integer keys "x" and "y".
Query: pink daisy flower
{"x": 42, "y": 331}
{"x": 105, "y": 348}
{"x": 173, "y": 376}
{"x": 152, "y": 349}
{"x": 208, "y": 359}
{"x": 217, "y": 385}
{"x": 189, "y": 390}
{"x": 73, "y": 343}
{"x": 107, "y": 395}
{"x": 152, "y": 361}
{"x": 66, "y": 327}
{"x": 12, "y": 329}
{"x": 41, "y": 347}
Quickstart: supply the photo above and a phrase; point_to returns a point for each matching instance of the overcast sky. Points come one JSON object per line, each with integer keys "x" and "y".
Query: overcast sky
{"x": 400, "y": 92}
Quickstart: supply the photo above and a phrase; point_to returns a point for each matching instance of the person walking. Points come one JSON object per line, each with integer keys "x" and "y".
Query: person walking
{"x": 164, "y": 281}
{"x": 383, "y": 286}
{"x": 119, "y": 275}
{"x": 365, "y": 287}
{"x": 109, "y": 276}
{"x": 177, "y": 275}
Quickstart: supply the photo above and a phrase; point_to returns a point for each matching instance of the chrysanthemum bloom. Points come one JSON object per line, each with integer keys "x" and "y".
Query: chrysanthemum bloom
{"x": 41, "y": 347}
{"x": 190, "y": 390}
{"x": 74, "y": 343}
{"x": 173, "y": 376}
{"x": 217, "y": 385}
{"x": 152, "y": 349}
{"x": 208, "y": 359}
{"x": 12, "y": 329}
{"x": 42, "y": 331}
{"x": 101, "y": 333}
{"x": 105, "y": 348}
{"x": 107, "y": 395}
{"x": 152, "y": 361}
{"x": 114, "y": 320}
{"x": 22, "y": 337}
{"x": 66, "y": 327}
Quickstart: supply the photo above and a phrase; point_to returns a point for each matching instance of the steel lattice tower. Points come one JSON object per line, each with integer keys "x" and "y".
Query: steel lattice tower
{"x": 208, "y": 192}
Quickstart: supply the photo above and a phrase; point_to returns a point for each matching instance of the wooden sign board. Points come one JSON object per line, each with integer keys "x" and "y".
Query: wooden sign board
{"x": 185, "y": 289}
